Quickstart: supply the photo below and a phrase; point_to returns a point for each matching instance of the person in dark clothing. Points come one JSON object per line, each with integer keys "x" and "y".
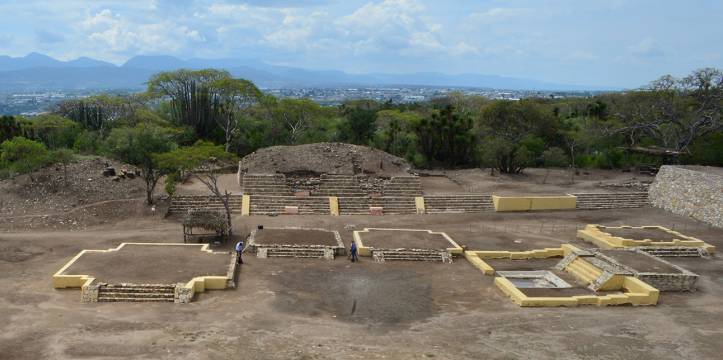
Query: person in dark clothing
{"x": 239, "y": 250}
{"x": 353, "y": 252}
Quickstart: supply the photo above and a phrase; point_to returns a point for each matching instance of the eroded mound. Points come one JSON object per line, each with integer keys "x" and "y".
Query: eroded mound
{"x": 318, "y": 158}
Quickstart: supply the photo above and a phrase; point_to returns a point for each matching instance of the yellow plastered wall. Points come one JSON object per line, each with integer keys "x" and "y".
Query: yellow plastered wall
{"x": 476, "y": 258}
{"x": 528, "y": 203}
{"x": 334, "y": 205}
{"x": 636, "y": 293}
{"x": 594, "y": 234}
{"x": 419, "y": 203}
{"x": 245, "y": 205}
{"x": 454, "y": 248}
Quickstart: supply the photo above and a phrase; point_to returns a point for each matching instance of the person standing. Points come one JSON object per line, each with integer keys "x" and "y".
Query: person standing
{"x": 353, "y": 252}
{"x": 239, "y": 250}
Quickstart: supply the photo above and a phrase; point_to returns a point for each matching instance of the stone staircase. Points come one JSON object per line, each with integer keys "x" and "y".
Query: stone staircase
{"x": 265, "y": 184}
{"x": 180, "y": 204}
{"x": 403, "y": 186}
{"x": 678, "y": 251}
{"x": 382, "y": 255}
{"x": 595, "y": 201}
{"x": 136, "y": 293}
{"x": 440, "y": 204}
{"x": 275, "y": 205}
{"x": 339, "y": 185}
{"x": 292, "y": 252}
{"x": 390, "y": 205}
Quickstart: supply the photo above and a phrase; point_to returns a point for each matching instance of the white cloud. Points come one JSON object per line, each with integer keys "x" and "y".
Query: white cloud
{"x": 122, "y": 35}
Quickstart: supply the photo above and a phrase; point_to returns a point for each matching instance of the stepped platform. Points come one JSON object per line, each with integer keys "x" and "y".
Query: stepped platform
{"x": 594, "y": 201}
{"x": 296, "y": 243}
{"x": 339, "y": 185}
{"x": 400, "y": 186}
{"x": 383, "y": 255}
{"x": 275, "y": 205}
{"x": 181, "y": 204}
{"x": 406, "y": 244}
{"x": 390, "y": 205}
{"x": 444, "y": 204}
{"x": 147, "y": 272}
{"x": 136, "y": 293}
{"x": 265, "y": 184}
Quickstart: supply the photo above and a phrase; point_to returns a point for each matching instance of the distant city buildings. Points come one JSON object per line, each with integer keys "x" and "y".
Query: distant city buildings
{"x": 38, "y": 102}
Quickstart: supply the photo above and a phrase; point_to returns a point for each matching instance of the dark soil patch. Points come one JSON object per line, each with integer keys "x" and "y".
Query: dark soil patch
{"x": 640, "y": 262}
{"x": 640, "y": 234}
{"x": 395, "y": 239}
{"x": 367, "y": 293}
{"x": 143, "y": 264}
{"x": 294, "y": 237}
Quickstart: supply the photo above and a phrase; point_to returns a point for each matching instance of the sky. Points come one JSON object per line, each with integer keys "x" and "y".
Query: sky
{"x": 612, "y": 43}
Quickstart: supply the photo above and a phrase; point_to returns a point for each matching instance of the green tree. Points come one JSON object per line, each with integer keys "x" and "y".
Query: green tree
{"x": 138, "y": 146}
{"x": 233, "y": 98}
{"x": 64, "y": 157}
{"x": 514, "y": 133}
{"x": 9, "y": 127}
{"x": 20, "y": 155}
{"x": 52, "y": 130}
{"x": 201, "y": 161}
{"x": 446, "y": 137}
{"x": 191, "y": 97}
{"x": 98, "y": 113}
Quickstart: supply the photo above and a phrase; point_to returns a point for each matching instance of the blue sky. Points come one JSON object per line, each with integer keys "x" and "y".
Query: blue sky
{"x": 618, "y": 43}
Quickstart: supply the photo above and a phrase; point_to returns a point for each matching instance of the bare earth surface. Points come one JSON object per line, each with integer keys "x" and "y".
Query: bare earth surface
{"x": 139, "y": 264}
{"x": 317, "y": 309}
{"x": 640, "y": 262}
{"x": 294, "y": 237}
{"x": 396, "y": 239}
{"x": 641, "y": 234}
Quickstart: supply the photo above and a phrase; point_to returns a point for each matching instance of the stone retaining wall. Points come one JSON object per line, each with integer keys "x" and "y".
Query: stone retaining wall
{"x": 693, "y": 193}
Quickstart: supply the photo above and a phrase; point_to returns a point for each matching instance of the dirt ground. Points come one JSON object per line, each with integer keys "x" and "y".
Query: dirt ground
{"x": 139, "y": 264}
{"x": 294, "y": 237}
{"x": 395, "y": 239}
{"x": 640, "y": 262}
{"x": 320, "y": 309}
{"x": 641, "y": 234}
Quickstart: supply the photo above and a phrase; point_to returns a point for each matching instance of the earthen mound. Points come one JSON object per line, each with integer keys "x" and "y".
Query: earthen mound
{"x": 319, "y": 158}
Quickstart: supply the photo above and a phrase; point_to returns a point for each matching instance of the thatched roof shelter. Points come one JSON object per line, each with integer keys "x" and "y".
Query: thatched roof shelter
{"x": 214, "y": 221}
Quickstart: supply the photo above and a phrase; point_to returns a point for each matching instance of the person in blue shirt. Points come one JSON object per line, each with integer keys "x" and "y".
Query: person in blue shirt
{"x": 352, "y": 252}
{"x": 239, "y": 250}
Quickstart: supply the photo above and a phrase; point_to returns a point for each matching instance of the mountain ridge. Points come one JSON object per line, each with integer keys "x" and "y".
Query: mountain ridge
{"x": 38, "y": 71}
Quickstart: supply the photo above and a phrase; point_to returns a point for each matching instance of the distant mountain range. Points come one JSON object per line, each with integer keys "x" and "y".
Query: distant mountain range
{"x": 36, "y": 71}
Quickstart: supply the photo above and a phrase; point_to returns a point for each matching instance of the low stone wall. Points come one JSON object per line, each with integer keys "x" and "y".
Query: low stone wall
{"x": 689, "y": 192}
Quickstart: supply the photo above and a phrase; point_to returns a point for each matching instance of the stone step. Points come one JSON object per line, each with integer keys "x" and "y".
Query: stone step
{"x": 133, "y": 299}
{"x": 121, "y": 294}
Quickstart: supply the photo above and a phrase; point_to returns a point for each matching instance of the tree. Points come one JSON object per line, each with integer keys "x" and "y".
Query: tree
{"x": 446, "y": 137}
{"x": 138, "y": 146}
{"x": 671, "y": 112}
{"x": 191, "y": 97}
{"x": 98, "y": 113}
{"x": 233, "y": 98}
{"x": 52, "y": 130}
{"x": 9, "y": 127}
{"x": 514, "y": 133}
{"x": 64, "y": 157}
{"x": 202, "y": 162}
{"x": 298, "y": 117}
{"x": 21, "y": 155}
